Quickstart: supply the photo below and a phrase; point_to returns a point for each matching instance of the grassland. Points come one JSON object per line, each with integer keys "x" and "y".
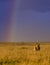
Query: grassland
{"x": 24, "y": 54}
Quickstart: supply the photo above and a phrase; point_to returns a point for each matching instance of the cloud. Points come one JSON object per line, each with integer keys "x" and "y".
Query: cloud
{"x": 36, "y": 5}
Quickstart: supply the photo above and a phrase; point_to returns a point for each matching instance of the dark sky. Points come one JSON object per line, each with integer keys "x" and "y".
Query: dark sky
{"x": 26, "y": 20}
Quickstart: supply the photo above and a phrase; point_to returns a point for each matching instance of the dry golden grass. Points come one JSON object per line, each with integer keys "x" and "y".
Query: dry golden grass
{"x": 24, "y": 55}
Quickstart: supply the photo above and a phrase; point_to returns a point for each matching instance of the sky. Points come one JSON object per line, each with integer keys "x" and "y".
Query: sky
{"x": 24, "y": 20}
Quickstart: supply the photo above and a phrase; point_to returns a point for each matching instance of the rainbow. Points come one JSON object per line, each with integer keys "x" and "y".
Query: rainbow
{"x": 11, "y": 31}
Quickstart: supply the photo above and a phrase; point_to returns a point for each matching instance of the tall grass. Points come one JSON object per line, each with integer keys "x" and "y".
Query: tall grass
{"x": 24, "y": 55}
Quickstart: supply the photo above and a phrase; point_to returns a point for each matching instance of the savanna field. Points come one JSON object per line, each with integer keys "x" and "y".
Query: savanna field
{"x": 24, "y": 54}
